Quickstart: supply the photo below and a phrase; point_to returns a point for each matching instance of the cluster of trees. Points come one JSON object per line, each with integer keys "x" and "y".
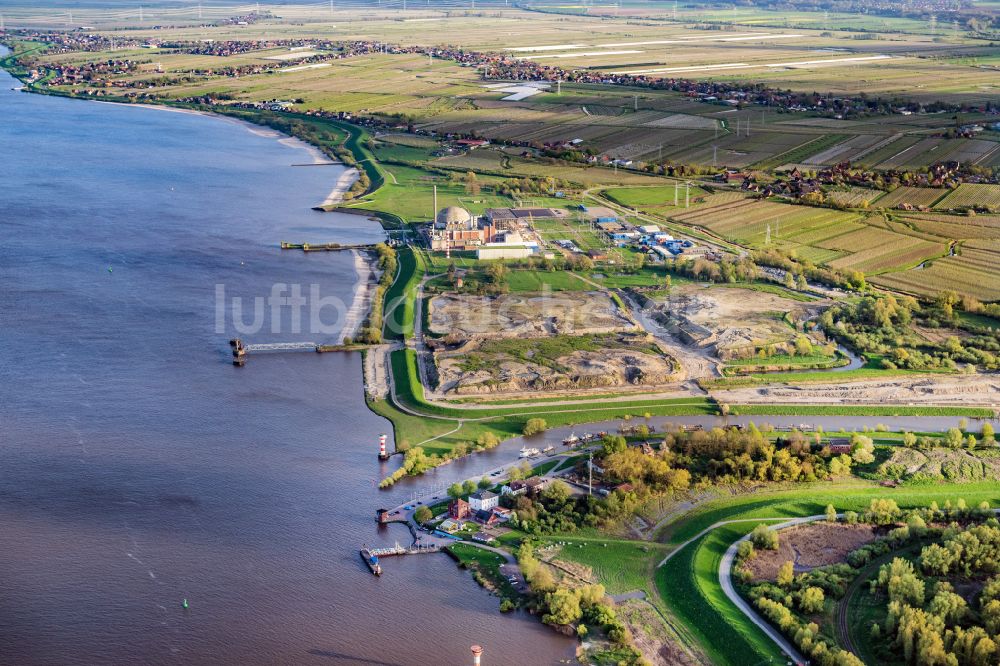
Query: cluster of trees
{"x": 927, "y": 621}
{"x": 622, "y": 463}
{"x": 415, "y": 462}
{"x": 554, "y": 510}
{"x": 806, "y": 593}
{"x": 484, "y": 442}
{"x": 954, "y": 438}
{"x": 762, "y": 537}
{"x": 786, "y": 261}
{"x": 800, "y": 346}
{"x": 586, "y": 607}
{"x": 733, "y": 455}
{"x": 682, "y": 458}
{"x": 728, "y": 269}
{"x": 883, "y": 326}
{"x": 516, "y": 187}
{"x": 534, "y": 426}
{"x": 966, "y": 552}
{"x": 970, "y": 304}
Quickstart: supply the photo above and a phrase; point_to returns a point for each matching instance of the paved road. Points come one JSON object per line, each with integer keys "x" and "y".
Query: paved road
{"x": 511, "y": 560}
{"x": 709, "y": 529}
{"x": 726, "y": 580}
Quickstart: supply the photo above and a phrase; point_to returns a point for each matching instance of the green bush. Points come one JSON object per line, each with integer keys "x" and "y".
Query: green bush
{"x": 534, "y": 426}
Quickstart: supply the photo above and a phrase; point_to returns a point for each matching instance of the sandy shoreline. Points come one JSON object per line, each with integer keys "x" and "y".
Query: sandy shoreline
{"x": 365, "y": 266}
{"x": 340, "y": 188}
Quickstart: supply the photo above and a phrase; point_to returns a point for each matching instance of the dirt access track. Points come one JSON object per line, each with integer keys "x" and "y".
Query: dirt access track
{"x": 526, "y": 315}
{"x": 959, "y": 390}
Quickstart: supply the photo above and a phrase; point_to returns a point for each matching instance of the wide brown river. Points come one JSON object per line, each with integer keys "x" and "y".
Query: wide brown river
{"x": 139, "y": 468}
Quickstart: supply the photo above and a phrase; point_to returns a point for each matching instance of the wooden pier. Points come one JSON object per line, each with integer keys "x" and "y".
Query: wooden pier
{"x": 371, "y": 556}
{"x": 398, "y": 550}
{"x": 325, "y": 247}
{"x": 241, "y": 349}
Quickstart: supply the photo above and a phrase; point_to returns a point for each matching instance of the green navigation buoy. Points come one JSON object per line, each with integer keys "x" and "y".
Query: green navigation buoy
{"x": 185, "y": 604}
{"x": 110, "y": 270}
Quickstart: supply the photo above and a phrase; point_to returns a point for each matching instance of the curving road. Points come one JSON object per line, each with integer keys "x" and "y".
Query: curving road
{"x": 726, "y": 580}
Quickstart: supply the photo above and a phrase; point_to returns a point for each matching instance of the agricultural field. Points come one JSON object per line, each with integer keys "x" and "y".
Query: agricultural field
{"x": 644, "y": 124}
{"x": 873, "y": 250}
{"x": 915, "y": 196}
{"x": 853, "y": 197}
{"x": 955, "y": 227}
{"x": 654, "y": 199}
{"x": 843, "y": 240}
{"x": 971, "y": 195}
{"x": 974, "y": 271}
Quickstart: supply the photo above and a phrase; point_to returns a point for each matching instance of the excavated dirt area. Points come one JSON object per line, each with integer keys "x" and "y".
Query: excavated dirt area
{"x": 963, "y": 390}
{"x": 490, "y": 366}
{"x": 809, "y": 546}
{"x": 526, "y": 315}
{"x": 732, "y": 319}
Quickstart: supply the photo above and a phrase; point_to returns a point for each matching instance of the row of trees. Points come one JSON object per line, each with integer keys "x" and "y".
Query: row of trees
{"x": 371, "y": 331}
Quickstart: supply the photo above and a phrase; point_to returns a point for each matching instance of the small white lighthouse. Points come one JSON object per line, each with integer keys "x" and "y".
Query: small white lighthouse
{"x": 382, "y": 454}
{"x": 477, "y": 652}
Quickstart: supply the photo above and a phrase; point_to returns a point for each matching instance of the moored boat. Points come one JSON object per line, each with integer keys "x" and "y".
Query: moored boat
{"x": 371, "y": 561}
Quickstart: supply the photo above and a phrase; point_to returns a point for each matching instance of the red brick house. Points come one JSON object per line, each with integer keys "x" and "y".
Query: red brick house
{"x": 459, "y": 510}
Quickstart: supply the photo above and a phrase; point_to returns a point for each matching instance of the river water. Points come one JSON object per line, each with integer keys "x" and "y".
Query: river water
{"x": 138, "y": 467}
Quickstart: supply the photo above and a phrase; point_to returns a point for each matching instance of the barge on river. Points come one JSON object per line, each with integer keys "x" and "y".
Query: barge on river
{"x": 371, "y": 559}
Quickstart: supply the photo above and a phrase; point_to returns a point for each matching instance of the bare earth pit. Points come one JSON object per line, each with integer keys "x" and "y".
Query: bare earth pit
{"x": 732, "y": 320}
{"x": 526, "y": 315}
{"x": 808, "y": 547}
{"x": 560, "y": 363}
